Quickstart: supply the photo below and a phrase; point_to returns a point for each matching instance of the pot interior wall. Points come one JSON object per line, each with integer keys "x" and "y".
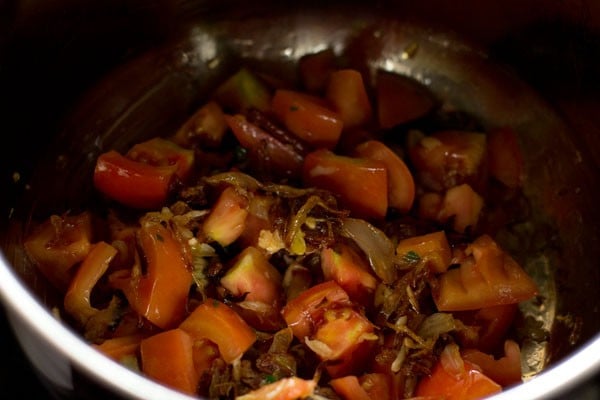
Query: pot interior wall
{"x": 65, "y": 103}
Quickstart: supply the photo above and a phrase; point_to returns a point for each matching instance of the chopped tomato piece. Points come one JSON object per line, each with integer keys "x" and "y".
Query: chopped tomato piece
{"x": 346, "y": 92}
{"x": 374, "y": 386}
{"x": 315, "y": 70}
{"x": 505, "y": 370}
{"x": 463, "y": 206}
{"x": 292, "y": 388}
{"x": 430, "y": 204}
{"x": 401, "y": 185}
{"x": 227, "y": 218}
{"x": 258, "y": 219}
{"x": 296, "y": 280}
{"x": 350, "y": 271}
{"x": 490, "y": 277}
{"x": 259, "y": 283}
{"x": 243, "y": 91}
{"x": 377, "y": 386}
{"x": 505, "y": 160}
{"x": 495, "y": 323}
{"x": 253, "y": 276}
{"x": 342, "y": 336}
{"x": 77, "y": 300}
{"x": 204, "y": 352}
{"x": 308, "y": 118}
{"x": 304, "y": 311}
{"x": 119, "y": 348}
{"x": 400, "y": 99}
{"x": 132, "y": 183}
{"x": 58, "y": 244}
{"x": 160, "y": 152}
{"x": 340, "y": 332}
{"x": 221, "y": 325}
{"x": 206, "y": 127}
{"x": 449, "y": 158}
{"x": 160, "y": 295}
{"x": 361, "y": 184}
{"x": 432, "y": 248}
{"x": 263, "y": 148}
{"x": 349, "y": 388}
{"x": 167, "y": 358}
{"x": 453, "y": 378}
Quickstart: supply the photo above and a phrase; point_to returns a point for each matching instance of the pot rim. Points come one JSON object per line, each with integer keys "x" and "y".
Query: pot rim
{"x": 19, "y": 302}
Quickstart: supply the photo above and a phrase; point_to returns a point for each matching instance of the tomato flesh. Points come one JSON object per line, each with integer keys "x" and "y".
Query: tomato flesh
{"x": 490, "y": 277}
{"x": 304, "y": 311}
{"x": 361, "y": 184}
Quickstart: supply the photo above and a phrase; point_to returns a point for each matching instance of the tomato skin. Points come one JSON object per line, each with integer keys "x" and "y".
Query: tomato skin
{"x": 206, "y": 127}
{"x": 346, "y": 92}
{"x": 160, "y": 152}
{"x": 221, "y": 325}
{"x": 304, "y": 311}
{"x": 120, "y": 347}
{"x": 133, "y": 183}
{"x": 400, "y": 100}
{"x": 161, "y": 294}
{"x": 308, "y": 118}
{"x": 401, "y": 185}
{"x": 315, "y": 70}
{"x": 167, "y": 358}
{"x": 453, "y": 378}
{"x": 282, "y": 158}
{"x": 489, "y": 278}
{"x": 77, "y": 300}
{"x": 361, "y": 184}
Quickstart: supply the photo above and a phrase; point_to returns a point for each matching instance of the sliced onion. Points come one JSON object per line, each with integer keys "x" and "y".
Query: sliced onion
{"x": 451, "y": 360}
{"x": 435, "y": 325}
{"x": 237, "y": 179}
{"x": 378, "y": 248}
{"x": 245, "y": 181}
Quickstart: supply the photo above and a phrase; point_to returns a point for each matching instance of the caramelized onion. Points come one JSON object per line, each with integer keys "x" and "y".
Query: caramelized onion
{"x": 378, "y": 248}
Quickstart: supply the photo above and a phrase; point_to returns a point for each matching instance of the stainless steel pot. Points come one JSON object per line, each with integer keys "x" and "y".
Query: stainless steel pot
{"x": 80, "y": 79}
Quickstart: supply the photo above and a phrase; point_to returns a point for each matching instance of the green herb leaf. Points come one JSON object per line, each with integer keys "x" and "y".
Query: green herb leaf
{"x": 411, "y": 257}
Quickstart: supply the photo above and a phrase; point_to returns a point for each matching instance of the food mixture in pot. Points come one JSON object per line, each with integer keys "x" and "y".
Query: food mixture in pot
{"x": 333, "y": 240}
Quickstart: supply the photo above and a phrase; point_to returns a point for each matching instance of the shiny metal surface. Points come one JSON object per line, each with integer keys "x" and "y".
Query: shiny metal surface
{"x": 154, "y": 92}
